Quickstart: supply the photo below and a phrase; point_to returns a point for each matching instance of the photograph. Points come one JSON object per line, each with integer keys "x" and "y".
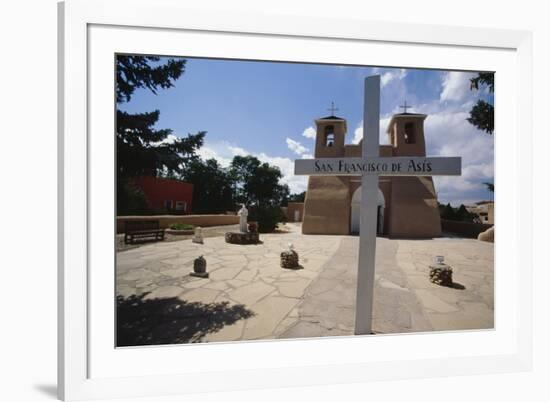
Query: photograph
{"x": 267, "y": 200}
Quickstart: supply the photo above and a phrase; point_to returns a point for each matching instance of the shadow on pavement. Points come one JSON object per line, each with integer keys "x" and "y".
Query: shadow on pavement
{"x": 171, "y": 320}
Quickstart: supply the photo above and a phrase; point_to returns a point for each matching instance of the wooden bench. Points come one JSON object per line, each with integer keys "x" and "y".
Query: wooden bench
{"x": 142, "y": 230}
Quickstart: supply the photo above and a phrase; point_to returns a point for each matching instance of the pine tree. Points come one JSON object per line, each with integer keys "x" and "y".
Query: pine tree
{"x": 143, "y": 149}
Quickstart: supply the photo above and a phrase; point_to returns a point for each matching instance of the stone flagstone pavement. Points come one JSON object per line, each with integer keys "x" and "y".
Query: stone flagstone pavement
{"x": 249, "y": 296}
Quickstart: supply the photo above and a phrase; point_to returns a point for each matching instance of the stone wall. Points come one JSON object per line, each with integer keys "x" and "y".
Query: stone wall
{"x": 291, "y": 210}
{"x": 465, "y": 229}
{"x": 167, "y": 220}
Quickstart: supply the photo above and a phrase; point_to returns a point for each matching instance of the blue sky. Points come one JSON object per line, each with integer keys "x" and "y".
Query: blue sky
{"x": 268, "y": 110}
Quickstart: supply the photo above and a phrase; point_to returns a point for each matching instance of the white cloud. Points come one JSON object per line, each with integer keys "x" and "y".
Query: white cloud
{"x": 170, "y": 138}
{"x": 296, "y": 147}
{"x": 297, "y": 184}
{"x": 205, "y": 152}
{"x": 456, "y": 86}
{"x": 237, "y": 151}
{"x": 357, "y": 134}
{"x": 309, "y": 132}
{"x": 448, "y": 133}
{"x": 389, "y": 76}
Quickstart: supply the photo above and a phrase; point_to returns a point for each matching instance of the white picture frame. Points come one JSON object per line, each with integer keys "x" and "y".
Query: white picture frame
{"x": 90, "y": 31}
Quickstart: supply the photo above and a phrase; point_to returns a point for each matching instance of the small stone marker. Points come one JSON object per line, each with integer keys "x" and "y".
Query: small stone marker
{"x": 441, "y": 273}
{"x": 369, "y": 166}
{"x": 289, "y": 258}
{"x": 199, "y": 268}
{"x": 198, "y": 236}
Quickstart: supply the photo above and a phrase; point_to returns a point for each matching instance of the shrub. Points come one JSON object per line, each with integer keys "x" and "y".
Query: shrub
{"x": 267, "y": 218}
{"x": 181, "y": 226}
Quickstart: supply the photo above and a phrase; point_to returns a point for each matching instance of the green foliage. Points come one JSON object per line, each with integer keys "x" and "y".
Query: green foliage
{"x": 257, "y": 183}
{"x": 299, "y": 197}
{"x": 463, "y": 215}
{"x": 247, "y": 180}
{"x": 142, "y": 149}
{"x": 482, "y": 114}
{"x": 181, "y": 226}
{"x": 130, "y": 199}
{"x": 483, "y": 79}
{"x": 141, "y": 72}
{"x": 447, "y": 212}
{"x": 267, "y": 217}
{"x": 212, "y": 186}
{"x": 490, "y": 187}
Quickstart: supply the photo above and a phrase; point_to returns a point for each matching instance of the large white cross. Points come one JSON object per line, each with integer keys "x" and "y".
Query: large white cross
{"x": 369, "y": 167}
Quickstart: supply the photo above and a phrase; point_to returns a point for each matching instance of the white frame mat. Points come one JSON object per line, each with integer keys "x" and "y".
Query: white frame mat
{"x": 90, "y": 367}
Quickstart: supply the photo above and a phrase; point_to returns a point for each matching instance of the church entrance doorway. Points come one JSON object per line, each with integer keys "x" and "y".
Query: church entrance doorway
{"x": 356, "y": 212}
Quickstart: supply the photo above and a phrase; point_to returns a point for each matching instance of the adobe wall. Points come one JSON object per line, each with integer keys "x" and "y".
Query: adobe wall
{"x": 166, "y": 220}
{"x": 414, "y": 210}
{"x": 491, "y": 213}
{"x": 291, "y": 211}
{"x": 355, "y": 151}
{"x": 328, "y": 206}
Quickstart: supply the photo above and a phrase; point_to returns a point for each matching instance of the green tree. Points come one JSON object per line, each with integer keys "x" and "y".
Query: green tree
{"x": 212, "y": 186}
{"x": 257, "y": 183}
{"x": 298, "y": 197}
{"x": 463, "y": 215}
{"x": 142, "y": 149}
{"x": 490, "y": 187}
{"x": 482, "y": 114}
{"x": 447, "y": 212}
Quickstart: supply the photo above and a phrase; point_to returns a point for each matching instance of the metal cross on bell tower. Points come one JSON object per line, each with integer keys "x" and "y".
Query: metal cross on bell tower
{"x": 405, "y": 106}
{"x": 332, "y": 109}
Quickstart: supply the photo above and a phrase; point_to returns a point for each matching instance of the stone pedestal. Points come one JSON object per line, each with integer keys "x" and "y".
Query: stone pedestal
{"x": 441, "y": 274}
{"x": 242, "y": 238}
{"x": 289, "y": 259}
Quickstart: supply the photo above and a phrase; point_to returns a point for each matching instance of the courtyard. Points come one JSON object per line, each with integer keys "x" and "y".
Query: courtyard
{"x": 248, "y": 296}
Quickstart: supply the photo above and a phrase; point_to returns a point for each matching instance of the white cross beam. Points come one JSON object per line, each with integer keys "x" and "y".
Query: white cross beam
{"x": 369, "y": 167}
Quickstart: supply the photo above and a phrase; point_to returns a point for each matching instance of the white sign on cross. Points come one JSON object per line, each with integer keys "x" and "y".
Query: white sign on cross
{"x": 369, "y": 167}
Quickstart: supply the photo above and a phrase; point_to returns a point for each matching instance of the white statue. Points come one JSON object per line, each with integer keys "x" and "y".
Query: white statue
{"x": 243, "y": 213}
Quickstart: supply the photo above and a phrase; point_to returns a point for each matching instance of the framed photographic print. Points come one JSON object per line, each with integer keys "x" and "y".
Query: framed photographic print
{"x": 243, "y": 197}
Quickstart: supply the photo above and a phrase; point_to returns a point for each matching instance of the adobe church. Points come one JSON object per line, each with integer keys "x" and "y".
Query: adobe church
{"x": 407, "y": 206}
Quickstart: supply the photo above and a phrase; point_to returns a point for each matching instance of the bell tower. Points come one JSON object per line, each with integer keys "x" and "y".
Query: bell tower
{"x": 406, "y": 132}
{"x": 331, "y": 137}
{"x": 411, "y": 196}
{"x": 327, "y": 202}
